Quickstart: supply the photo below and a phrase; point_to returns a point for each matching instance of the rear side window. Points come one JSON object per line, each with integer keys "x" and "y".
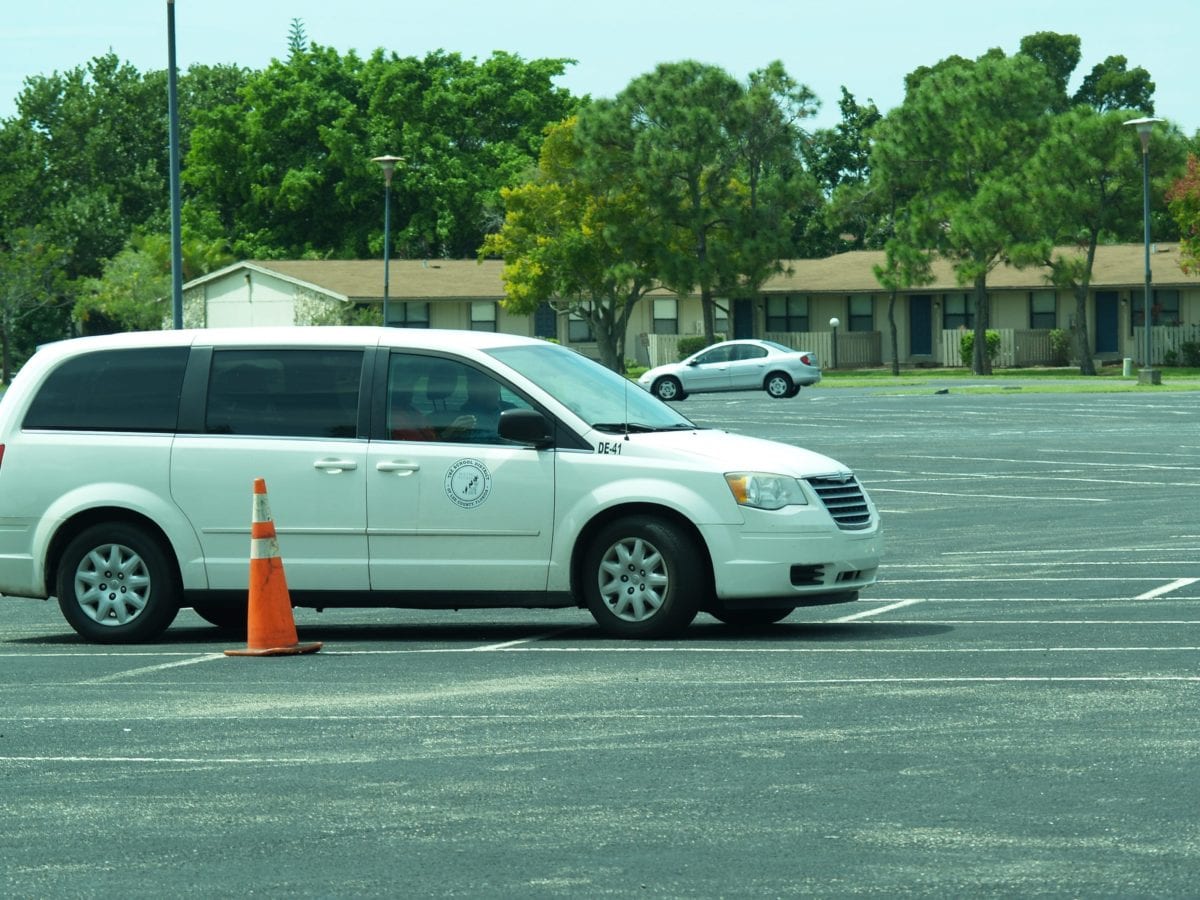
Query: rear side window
{"x": 112, "y": 390}
{"x": 293, "y": 393}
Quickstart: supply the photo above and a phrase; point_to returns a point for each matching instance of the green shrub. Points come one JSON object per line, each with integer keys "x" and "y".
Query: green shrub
{"x": 689, "y": 345}
{"x": 966, "y": 346}
{"x": 1189, "y": 352}
{"x": 1060, "y": 347}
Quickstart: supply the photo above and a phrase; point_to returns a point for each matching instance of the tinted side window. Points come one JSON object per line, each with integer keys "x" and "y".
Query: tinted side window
{"x": 112, "y": 390}
{"x": 445, "y": 400}
{"x": 297, "y": 393}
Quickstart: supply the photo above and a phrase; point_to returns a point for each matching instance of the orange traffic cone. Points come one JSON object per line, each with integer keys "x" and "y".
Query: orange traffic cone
{"x": 271, "y": 630}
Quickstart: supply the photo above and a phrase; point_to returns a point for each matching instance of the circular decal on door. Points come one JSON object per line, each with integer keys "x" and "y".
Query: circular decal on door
{"x": 468, "y": 483}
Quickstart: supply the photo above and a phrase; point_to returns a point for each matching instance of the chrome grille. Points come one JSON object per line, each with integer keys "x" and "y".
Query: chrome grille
{"x": 844, "y": 499}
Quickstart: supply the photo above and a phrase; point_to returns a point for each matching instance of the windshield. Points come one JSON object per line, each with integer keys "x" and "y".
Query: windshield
{"x": 602, "y": 398}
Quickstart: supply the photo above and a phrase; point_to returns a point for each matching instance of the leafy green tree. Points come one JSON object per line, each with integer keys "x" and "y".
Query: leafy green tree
{"x": 288, "y": 171}
{"x": 1085, "y": 182}
{"x": 1059, "y": 54}
{"x": 33, "y": 296}
{"x": 1113, "y": 85}
{"x": 88, "y": 164}
{"x": 134, "y": 292}
{"x": 1183, "y": 201}
{"x": 839, "y": 159}
{"x": 575, "y": 243}
{"x": 717, "y": 165}
{"x": 957, "y": 146}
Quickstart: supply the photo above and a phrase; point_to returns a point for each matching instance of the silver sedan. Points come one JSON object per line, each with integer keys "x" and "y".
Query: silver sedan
{"x": 747, "y": 365}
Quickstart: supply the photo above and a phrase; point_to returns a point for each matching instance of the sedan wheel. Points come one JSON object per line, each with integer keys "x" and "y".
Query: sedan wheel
{"x": 779, "y": 385}
{"x": 669, "y": 388}
{"x": 115, "y": 585}
{"x": 643, "y": 578}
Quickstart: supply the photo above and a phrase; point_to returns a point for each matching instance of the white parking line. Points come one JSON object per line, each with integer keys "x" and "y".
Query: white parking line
{"x": 876, "y": 489}
{"x": 535, "y": 637}
{"x": 878, "y": 610}
{"x": 1167, "y": 588}
{"x": 129, "y": 673}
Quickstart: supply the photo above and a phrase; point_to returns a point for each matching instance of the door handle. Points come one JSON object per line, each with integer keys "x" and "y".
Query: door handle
{"x": 335, "y": 466}
{"x": 395, "y": 465}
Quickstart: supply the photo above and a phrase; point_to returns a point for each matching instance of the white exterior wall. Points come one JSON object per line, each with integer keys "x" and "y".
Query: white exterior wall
{"x": 250, "y": 298}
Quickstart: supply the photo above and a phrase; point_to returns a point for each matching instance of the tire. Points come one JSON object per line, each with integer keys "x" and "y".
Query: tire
{"x": 115, "y": 585}
{"x": 779, "y": 385}
{"x": 226, "y": 616}
{"x": 669, "y": 389}
{"x": 749, "y": 618}
{"x": 643, "y": 578}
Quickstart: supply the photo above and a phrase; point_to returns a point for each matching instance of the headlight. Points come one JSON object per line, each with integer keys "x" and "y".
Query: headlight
{"x": 763, "y": 490}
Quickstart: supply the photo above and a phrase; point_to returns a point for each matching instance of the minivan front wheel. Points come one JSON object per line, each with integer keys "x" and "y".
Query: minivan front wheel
{"x": 643, "y": 578}
{"x": 115, "y": 585}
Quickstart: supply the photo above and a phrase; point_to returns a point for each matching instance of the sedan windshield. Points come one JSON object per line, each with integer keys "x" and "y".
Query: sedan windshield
{"x": 602, "y": 398}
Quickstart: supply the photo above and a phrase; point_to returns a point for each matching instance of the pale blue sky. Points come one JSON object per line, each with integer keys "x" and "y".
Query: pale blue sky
{"x": 868, "y": 46}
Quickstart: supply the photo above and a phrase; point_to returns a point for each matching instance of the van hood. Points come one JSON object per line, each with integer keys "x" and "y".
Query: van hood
{"x": 725, "y": 451}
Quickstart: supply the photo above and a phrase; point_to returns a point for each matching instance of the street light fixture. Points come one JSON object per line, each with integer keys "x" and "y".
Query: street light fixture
{"x": 1148, "y": 375}
{"x": 834, "y": 323}
{"x": 388, "y": 164}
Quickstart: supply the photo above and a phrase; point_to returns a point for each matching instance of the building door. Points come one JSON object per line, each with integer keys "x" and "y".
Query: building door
{"x": 1107, "y": 329}
{"x": 743, "y": 319}
{"x": 920, "y": 325}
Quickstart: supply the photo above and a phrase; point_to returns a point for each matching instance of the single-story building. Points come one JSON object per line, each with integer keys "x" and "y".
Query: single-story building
{"x": 796, "y": 307}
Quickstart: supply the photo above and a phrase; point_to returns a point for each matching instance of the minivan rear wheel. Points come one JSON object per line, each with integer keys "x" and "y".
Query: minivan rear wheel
{"x": 115, "y": 585}
{"x": 643, "y": 578}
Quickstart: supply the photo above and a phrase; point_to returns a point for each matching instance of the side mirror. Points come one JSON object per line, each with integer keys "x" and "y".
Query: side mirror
{"x": 525, "y": 426}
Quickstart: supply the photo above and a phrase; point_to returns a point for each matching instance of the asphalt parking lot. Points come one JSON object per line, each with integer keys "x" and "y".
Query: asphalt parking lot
{"x": 1013, "y": 711}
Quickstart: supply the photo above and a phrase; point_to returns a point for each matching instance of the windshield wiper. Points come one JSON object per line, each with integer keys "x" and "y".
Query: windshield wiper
{"x": 639, "y": 428}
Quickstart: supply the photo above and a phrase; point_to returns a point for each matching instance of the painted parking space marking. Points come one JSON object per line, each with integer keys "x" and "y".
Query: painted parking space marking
{"x": 876, "y": 489}
{"x": 1167, "y": 588}
{"x": 878, "y": 611}
{"x": 146, "y": 670}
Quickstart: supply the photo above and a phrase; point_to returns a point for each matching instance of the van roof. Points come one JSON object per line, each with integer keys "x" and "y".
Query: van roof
{"x": 293, "y": 336}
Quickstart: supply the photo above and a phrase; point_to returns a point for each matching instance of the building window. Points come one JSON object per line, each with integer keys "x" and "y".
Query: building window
{"x": 721, "y": 319}
{"x": 787, "y": 313}
{"x": 483, "y": 316}
{"x": 666, "y": 316}
{"x": 1043, "y": 310}
{"x": 958, "y": 311}
{"x": 1164, "y": 308}
{"x": 862, "y": 314}
{"x": 579, "y": 329}
{"x": 408, "y": 315}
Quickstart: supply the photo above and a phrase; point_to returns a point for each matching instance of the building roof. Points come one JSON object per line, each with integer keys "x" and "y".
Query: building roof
{"x": 1116, "y": 266}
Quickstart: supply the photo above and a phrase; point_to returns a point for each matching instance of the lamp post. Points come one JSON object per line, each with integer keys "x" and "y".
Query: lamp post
{"x": 1148, "y": 374}
{"x": 173, "y": 166}
{"x": 388, "y": 164}
{"x": 834, "y": 323}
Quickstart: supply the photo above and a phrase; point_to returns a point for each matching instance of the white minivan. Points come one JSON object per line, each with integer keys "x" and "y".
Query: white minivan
{"x": 405, "y": 468}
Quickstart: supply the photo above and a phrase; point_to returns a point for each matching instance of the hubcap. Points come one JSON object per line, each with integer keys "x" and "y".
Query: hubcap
{"x": 633, "y": 580}
{"x": 112, "y": 585}
{"x": 666, "y": 390}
